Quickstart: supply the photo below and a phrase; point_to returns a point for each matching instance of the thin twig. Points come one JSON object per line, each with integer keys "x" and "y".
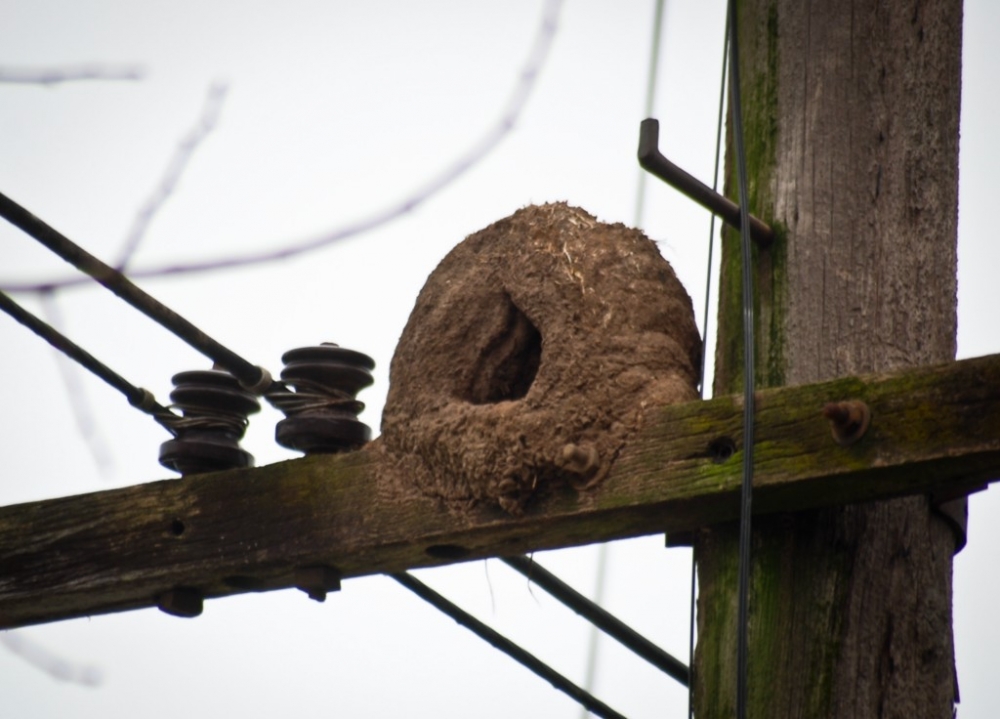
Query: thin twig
{"x": 62, "y": 669}
{"x": 599, "y": 618}
{"x": 175, "y": 169}
{"x": 254, "y": 378}
{"x": 86, "y": 420}
{"x": 72, "y": 73}
{"x": 492, "y": 137}
{"x": 500, "y": 642}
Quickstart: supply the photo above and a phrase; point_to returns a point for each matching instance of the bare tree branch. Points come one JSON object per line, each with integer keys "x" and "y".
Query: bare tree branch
{"x": 72, "y": 73}
{"x": 178, "y": 164}
{"x": 53, "y": 665}
{"x": 16, "y": 642}
{"x": 506, "y": 122}
{"x": 86, "y": 421}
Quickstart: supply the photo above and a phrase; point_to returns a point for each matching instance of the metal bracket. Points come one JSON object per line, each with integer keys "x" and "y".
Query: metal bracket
{"x": 651, "y": 160}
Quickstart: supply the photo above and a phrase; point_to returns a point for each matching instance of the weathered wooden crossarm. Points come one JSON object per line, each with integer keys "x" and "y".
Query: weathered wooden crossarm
{"x": 934, "y": 429}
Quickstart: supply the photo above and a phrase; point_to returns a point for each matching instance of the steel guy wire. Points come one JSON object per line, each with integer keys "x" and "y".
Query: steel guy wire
{"x": 141, "y": 399}
{"x": 711, "y": 221}
{"x": 498, "y": 641}
{"x": 599, "y": 617}
{"x": 253, "y": 378}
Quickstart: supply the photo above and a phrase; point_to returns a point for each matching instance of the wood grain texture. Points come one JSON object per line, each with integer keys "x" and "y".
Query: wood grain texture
{"x": 851, "y": 113}
{"x": 933, "y": 429}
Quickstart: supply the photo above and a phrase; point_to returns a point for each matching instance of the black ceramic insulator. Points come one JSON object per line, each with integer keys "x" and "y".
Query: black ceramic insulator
{"x": 215, "y": 409}
{"x": 321, "y": 415}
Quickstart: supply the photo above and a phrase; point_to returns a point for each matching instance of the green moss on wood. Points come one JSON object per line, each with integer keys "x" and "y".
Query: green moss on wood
{"x": 759, "y": 92}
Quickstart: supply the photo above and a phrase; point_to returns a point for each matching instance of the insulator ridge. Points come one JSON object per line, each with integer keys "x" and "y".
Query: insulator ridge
{"x": 318, "y": 399}
{"x": 214, "y": 411}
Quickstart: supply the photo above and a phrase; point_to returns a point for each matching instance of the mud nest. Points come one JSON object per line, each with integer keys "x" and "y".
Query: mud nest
{"x": 532, "y": 353}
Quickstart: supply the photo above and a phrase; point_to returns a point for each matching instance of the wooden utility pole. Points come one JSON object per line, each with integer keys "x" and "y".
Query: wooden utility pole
{"x": 851, "y": 115}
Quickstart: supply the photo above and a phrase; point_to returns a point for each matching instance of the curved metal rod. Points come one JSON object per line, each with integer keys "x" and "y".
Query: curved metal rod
{"x": 653, "y": 161}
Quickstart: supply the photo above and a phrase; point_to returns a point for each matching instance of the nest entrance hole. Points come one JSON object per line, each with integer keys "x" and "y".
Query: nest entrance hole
{"x": 507, "y": 366}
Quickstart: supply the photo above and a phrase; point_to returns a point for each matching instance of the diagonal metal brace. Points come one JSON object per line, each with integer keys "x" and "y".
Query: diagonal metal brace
{"x": 651, "y": 160}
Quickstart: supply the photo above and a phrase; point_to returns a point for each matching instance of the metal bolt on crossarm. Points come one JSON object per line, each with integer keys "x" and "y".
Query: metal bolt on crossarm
{"x": 849, "y": 420}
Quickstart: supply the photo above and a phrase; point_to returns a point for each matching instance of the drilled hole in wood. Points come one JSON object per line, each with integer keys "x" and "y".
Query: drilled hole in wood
{"x": 721, "y": 449}
{"x": 447, "y": 551}
{"x": 177, "y": 527}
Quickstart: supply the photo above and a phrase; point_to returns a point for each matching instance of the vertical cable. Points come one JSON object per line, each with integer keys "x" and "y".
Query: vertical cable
{"x": 711, "y": 221}
{"x": 654, "y": 64}
{"x": 704, "y": 340}
{"x": 748, "y": 371}
{"x": 690, "y": 686}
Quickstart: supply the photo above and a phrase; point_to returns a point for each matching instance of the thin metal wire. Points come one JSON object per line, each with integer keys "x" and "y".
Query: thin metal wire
{"x": 138, "y": 397}
{"x": 690, "y": 686}
{"x": 704, "y": 341}
{"x": 654, "y": 64}
{"x": 711, "y": 222}
{"x": 600, "y": 618}
{"x": 498, "y": 641}
{"x": 746, "y": 492}
{"x": 652, "y": 160}
{"x": 250, "y": 376}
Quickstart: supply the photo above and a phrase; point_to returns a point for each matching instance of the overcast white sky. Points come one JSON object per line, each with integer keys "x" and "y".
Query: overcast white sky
{"x": 333, "y": 112}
